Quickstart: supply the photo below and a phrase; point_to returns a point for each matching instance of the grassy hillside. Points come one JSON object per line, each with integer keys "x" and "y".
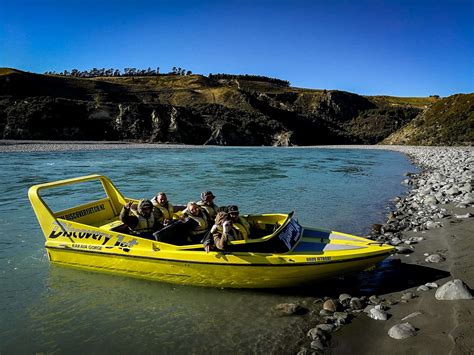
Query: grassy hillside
{"x": 415, "y": 102}
{"x": 6, "y": 71}
{"x": 449, "y": 121}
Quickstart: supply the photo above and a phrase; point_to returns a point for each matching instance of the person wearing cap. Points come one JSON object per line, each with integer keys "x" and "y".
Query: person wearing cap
{"x": 160, "y": 202}
{"x": 207, "y": 202}
{"x": 239, "y": 222}
{"x": 141, "y": 218}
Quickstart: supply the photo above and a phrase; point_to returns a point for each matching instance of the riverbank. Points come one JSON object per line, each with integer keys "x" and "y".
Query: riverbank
{"x": 29, "y": 146}
{"x": 432, "y": 229}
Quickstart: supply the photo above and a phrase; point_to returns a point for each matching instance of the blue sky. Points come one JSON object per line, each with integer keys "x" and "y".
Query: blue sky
{"x": 400, "y": 48}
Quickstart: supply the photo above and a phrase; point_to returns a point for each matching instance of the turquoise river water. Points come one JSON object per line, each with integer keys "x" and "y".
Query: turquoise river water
{"x": 46, "y": 308}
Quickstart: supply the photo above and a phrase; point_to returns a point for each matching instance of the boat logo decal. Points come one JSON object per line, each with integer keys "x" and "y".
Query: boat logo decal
{"x": 318, "y": 258}
{"x": 66, "y": 230}
{"x": 291, "y": 234}
{"x": 84, "y": 212}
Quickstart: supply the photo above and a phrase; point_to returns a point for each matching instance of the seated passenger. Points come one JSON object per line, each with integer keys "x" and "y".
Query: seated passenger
{"x": 160, "y": 201}
{"x": 207, "y": 202}
{"x": 201, "y": 221}
{"x": 142, "y": 219}
{"x": 239, "y": 223}
{"x": 221, "y": 232}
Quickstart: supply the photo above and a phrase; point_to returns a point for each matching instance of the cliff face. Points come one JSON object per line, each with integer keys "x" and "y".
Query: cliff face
{"x": 193, "y": 110}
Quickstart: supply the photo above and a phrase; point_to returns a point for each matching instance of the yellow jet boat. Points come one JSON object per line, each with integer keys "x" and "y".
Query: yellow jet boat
{"x": 278, "y": 253}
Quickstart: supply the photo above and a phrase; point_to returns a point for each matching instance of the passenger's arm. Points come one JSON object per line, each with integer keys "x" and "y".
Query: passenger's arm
{"x": 208, "y": 241}
{"x": 130, "y": 221}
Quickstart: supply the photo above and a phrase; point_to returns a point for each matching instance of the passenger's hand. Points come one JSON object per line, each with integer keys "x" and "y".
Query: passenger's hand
{"x": 128, "y": 205}
{"x": 207, "y": 248}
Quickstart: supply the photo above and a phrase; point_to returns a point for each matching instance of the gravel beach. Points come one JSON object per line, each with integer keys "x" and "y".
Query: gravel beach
{"x": 63, "y": 146}
{"x": 425, "y": 307}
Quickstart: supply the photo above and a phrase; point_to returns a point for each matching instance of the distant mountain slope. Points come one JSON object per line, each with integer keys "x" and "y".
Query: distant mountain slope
{"x": 449, "y": 121}
{"x": 194, "y": 109}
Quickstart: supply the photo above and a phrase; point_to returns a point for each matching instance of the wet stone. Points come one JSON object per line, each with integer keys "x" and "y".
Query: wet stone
{"x": 330, "y": 305}
{"x": 381, "y": 306}
{"x": 377, "y": 228}
{"x": 317, "y": 345}
{"x": 374, "y": 299}
{"x": 423, "y": 288}
{"x": 368, "y": 308}
{"x": 378, "y": 314}
{"x": 395, "y": 241}
{"x": 402, "y": 331}
{"x": 356, "y": 303}
{"x": 430, "y": 200}
{"x": 453, "y": 191}
{"x": 317, "y": 333}
{"x": 403, "y": 250}
{"x": 341, "y": 315}
{"x": 325, "y": 313}
{"x": 408, "y": 296}
{"x": 434, "y": 258}
{"x": 345, "y": 298}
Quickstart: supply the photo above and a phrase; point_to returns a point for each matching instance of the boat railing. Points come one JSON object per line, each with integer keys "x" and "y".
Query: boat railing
{"x": 89, "y": 213}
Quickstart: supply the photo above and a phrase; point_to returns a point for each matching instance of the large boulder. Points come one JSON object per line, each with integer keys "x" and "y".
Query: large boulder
{"x": 453, "y": 290}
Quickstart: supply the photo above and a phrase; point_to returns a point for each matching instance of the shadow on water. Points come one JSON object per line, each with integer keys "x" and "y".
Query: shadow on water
{"x": 391, "y": 275}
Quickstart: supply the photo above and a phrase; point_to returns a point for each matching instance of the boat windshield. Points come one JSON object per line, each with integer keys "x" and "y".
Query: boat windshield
{"x": 290, "y": 235}
{"x": 283, "y": 240}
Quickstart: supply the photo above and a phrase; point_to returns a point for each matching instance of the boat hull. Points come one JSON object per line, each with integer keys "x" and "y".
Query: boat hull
{"x": 211, "y": 274}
